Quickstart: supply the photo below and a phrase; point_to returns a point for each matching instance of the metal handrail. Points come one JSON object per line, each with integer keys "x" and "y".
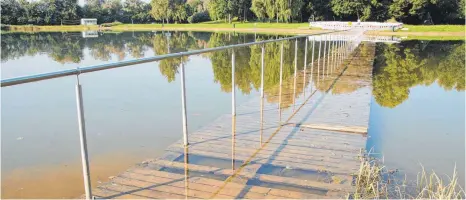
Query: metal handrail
{"x": 81, "y": 70}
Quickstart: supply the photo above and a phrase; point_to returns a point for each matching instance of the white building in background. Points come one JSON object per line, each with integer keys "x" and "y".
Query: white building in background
{"x": 88, "y": 21}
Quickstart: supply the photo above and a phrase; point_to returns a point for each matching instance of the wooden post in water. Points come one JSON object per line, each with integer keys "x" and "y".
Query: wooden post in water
{"x": 183, "y": 105}
{"x": 83, "y": 141}
{"x": 262, "y": 94}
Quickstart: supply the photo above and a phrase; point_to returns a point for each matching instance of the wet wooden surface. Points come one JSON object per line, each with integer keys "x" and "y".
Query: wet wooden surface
{"x": 304, "y": 151}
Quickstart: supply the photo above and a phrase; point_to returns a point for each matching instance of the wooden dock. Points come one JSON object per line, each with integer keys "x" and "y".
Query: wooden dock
{"x": 307, "y": 150}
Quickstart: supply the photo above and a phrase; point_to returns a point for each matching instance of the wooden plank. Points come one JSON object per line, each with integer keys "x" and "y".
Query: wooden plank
{"x": 333, "y": 127}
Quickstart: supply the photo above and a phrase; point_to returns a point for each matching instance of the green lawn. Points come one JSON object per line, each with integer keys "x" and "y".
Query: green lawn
{"x": 434, "y": 28}
{"x": 443, "y": 38}
{"x": 216, "y": 24}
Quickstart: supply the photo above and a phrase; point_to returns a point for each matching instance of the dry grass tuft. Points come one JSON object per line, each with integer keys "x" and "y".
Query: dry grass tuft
{"x": 371, "y": 182}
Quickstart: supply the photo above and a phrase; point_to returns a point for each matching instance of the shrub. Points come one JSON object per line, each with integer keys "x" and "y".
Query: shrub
{"x": 111, "y": 24}
{"x": 199, "y": 17}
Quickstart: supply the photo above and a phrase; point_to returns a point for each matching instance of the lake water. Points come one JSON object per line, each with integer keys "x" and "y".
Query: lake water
{"x": 134, "y": 113}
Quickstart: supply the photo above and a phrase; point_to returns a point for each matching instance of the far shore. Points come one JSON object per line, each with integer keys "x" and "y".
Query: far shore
{"x": 265, "y": 28}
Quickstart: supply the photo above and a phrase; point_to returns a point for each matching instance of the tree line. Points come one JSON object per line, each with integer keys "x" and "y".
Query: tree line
{"x": 55, "y": 12}
{"x": 397, "y": 67}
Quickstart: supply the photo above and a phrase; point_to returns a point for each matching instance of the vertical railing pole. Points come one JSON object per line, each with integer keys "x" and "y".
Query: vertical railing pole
{"x": 318, "y": 60}
{"x": 186, "y": 172}
{"x": 312, "y": 60}
{"x": 183, "y": 106}
{"x": 333, "y": 54}
{"x": 305, "y": 69}
{"x": 83, "y": 141}
{"x": 328, "y": 55}
{"x": 233, "y": 109}
{"x": 295, "y": 71}
{"x": 262, "y": 93}
{"x": 281, "y": 82}
{"x": 323, "y": 64}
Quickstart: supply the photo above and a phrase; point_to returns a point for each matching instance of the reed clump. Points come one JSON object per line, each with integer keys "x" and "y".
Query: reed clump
{"x": 373, "y": 181}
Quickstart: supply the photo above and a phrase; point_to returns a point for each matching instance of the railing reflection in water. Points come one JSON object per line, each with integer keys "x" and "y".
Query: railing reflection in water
{"x": 337, "y": 48}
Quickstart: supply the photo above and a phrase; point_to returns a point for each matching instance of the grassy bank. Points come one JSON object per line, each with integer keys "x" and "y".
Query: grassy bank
{"x": 290, "y": 28}
{"x": 430, "y": 32}
{"x": 433, "y": 28}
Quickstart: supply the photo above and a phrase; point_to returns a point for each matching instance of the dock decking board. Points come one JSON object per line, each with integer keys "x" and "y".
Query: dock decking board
{"x": 311, "y": 135}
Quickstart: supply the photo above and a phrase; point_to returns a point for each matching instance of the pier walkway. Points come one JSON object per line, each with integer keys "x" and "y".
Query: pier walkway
{"x": 306, "y": 149}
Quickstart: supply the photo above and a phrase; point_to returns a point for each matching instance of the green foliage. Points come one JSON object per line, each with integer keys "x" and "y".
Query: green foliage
{"x": 259, "y": 9}
{"x": 199, "y": 17}
{"x": 54, "y": 12}
{"x": 115, "y": 23}
{"x": 428, "y": 11}
{"x": 362, "y": 9}
{"x": 400, "y": 67}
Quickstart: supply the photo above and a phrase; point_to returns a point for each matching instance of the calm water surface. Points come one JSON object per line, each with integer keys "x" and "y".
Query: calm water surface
{"x": 134, "y": 113}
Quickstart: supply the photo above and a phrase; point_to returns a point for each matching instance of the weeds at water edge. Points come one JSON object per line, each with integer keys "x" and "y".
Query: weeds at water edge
{"x": 373, "y": 181}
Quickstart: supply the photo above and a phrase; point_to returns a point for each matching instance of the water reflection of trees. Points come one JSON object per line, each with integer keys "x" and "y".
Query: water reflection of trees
{"x": 69, "y": 48}
{"x": 399, "y": 67}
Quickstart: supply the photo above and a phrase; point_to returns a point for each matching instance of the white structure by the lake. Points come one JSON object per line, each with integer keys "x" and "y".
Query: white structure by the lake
{"x": 337, "y": 25}
{"x": 88, "y": 21}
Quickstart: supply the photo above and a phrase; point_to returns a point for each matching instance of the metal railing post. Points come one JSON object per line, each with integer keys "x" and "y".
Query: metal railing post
{"x": 233, "y": 109}
{"x": 305, "y": 69}
{"x": 183, "y": 106}
{"x": 262, "y": 93}
{"x": 318, "y": 60}
{"x": 295, "y": 72}
{"x": 186, "y": 172}
{"x": 323, "y": 64}
{"x": 333, "y": 55}
{"x": 328, "y": 55}
{"x": 83, "y": 141}
{"x": 281, "y": 82}
{"x": 312, "y": 60}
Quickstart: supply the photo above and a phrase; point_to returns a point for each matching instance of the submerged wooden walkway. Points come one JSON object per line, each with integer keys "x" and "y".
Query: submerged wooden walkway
{"x": 308, "y": 150}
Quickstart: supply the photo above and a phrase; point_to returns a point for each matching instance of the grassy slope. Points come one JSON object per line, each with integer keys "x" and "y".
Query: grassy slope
{"x": 435, "y": 28}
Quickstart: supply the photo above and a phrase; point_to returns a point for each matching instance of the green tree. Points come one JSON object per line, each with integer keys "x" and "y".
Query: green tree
{"x": 161, "y": 10}
{"x": 259, "y": 9}
{"x": 319, "y": 10}
{"x": 136, "y": 11}
{"x": 362, "y": 9}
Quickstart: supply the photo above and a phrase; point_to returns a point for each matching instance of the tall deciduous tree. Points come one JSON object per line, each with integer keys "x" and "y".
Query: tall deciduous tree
{"x": 259, "y": 9}
{"x": 161, "y": 10}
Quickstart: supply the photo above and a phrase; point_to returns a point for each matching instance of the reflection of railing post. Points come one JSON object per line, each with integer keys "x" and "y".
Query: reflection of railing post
{"x": 183, "y": 106}
{"x": 233, "y": 109}
{"x": 312, "y": 60}
{"x": 323, "y": 64}
{"x": 305, "y": 69}
{"x": 186, "y": 172}
{"x": 328, "y": 55}
{"x": 295, "y": 71}
{"x": 83, "y": 142}
{"x": 262, "y": 93}
{"x": 333, "y": 54}
{"x": 280, "y": 91}
{"x": 318, "y": 60}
